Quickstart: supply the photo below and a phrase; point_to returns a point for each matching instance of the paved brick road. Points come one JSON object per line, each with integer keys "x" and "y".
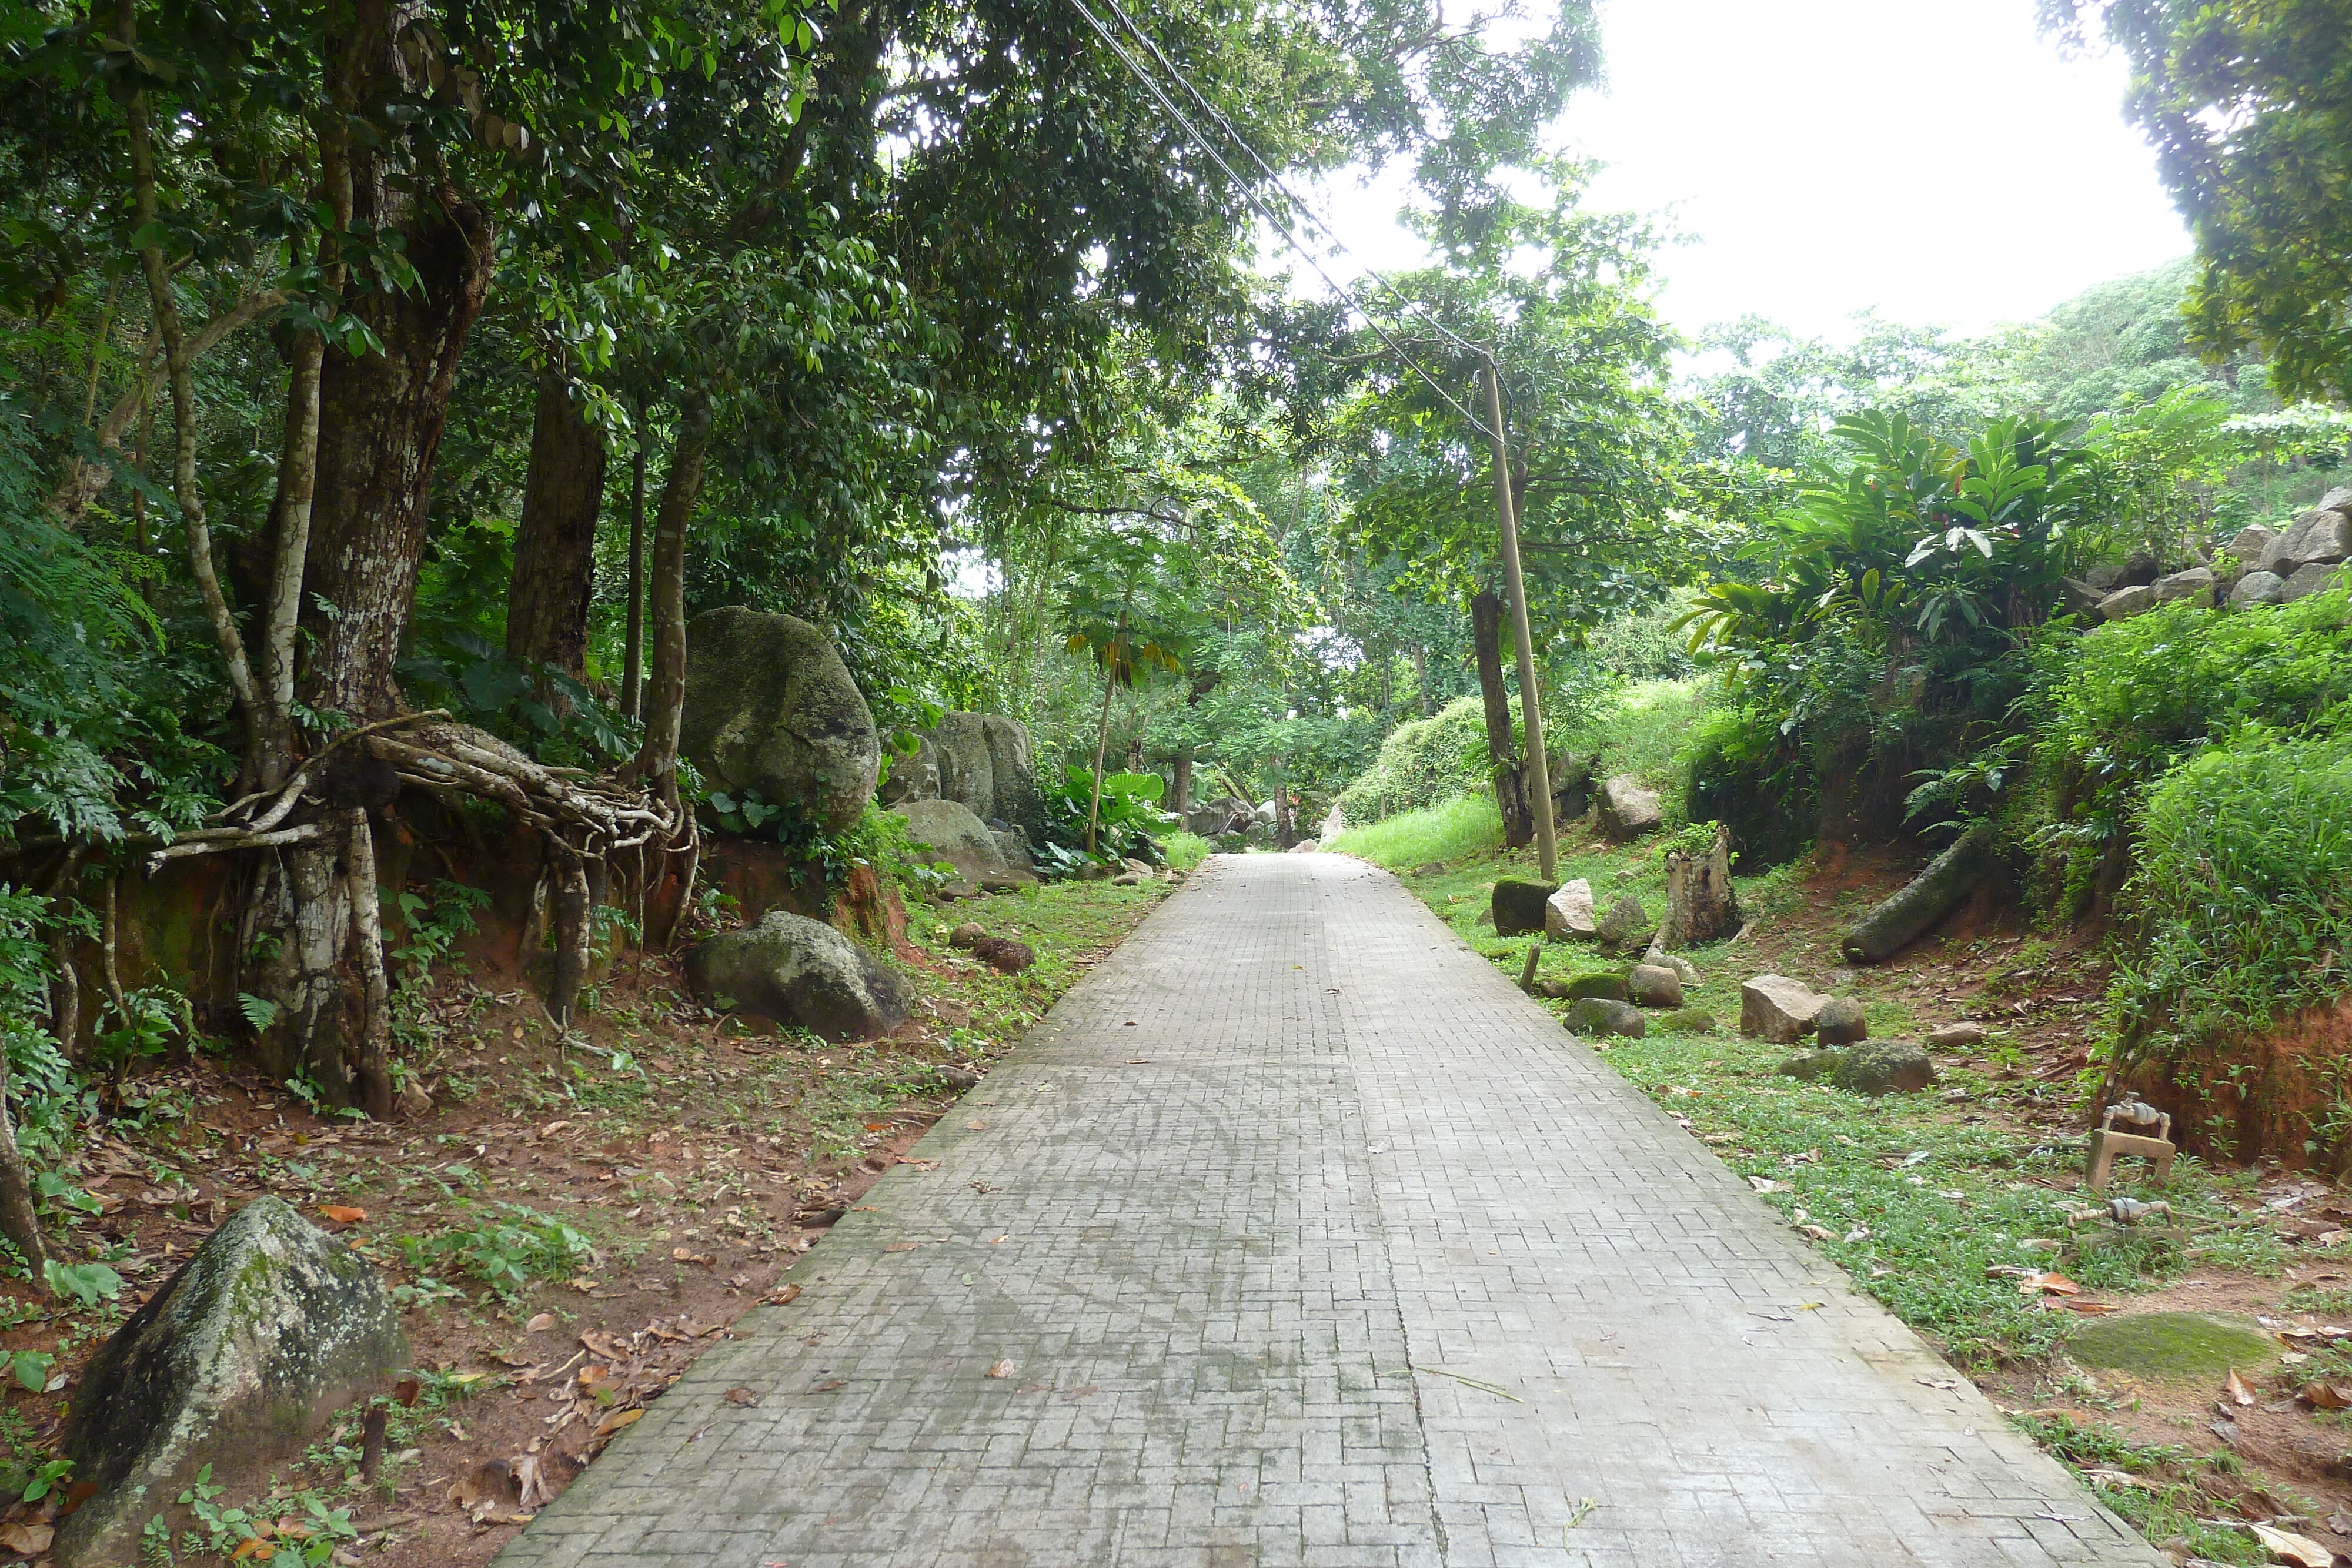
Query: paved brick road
{"x": 1312, "y": 1242}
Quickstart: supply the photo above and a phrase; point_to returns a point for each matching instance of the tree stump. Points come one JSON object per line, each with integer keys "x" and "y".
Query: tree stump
{"x": 1700, "y": 903}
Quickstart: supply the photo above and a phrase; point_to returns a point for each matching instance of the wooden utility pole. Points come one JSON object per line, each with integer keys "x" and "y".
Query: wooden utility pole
{"x": 1530, "y": 706}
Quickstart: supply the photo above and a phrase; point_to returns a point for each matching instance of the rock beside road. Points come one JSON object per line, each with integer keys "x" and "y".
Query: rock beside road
{"x": 1653, "y": 986}
{"x": 1881, "y": 1067}
{"x": 1519, "y": 906}
{"x": 1569, "y": 916}
{"x": 801, "y": 971}
{"x": 1600, "y": 1016}
{"x": 241, "y": 1357}
{"x": 1962, "y": 1036}
{"x": 1626, "y": 918}
{"x": 1777, "y": 1009}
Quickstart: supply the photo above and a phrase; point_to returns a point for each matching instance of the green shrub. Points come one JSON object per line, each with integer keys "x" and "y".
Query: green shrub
{"x": 1421, "y": 764}
{"x": 1450, "y": 830}
{"x": 2141, "y": 695}
{"x": 2244, "y": 896}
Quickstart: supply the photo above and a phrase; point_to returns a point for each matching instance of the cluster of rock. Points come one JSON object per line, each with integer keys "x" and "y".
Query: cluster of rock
{"x": 2259, "y": 566}
{"x": 1612, "y": 1001}
{"x": 969, "y": 796}
{"x": 1783, "y": 1012}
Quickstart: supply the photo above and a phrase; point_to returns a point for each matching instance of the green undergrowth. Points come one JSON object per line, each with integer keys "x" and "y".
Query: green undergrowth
{"x": 1921, "y": 1194}
{"x": 2163, "y": 1491}
{"x": 1464, "y": 825}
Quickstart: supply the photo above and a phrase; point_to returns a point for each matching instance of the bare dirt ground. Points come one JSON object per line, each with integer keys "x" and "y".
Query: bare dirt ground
{"x": 572, "y": 1222}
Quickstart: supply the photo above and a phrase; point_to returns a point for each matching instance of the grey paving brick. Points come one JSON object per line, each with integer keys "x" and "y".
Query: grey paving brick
{"x": 1256, "y": 1212}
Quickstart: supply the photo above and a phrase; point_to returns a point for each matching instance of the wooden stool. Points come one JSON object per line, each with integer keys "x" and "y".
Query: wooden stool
{"x": 2107, "y": 1143}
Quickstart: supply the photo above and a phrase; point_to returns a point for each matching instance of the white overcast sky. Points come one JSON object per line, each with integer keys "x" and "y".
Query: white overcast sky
{"x": 1937, "y": 160}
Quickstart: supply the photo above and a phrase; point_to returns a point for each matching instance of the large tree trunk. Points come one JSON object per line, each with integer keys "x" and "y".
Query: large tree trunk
{"x": 555, "y": 541}
{"x": 1180, "y": 795}
{"x": 1502, "y": 749}
{"x": 379, "y": 423}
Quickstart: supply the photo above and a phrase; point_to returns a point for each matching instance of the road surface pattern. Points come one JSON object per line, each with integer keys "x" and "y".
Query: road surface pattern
{"x": 1311, "y": 1241}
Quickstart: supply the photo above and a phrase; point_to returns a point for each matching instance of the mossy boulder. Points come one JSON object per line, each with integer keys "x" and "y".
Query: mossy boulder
{"x": 798, "y": 971}
{"x": 2173, "y": 1347}
{"x": 1609, "y": 986}
{"x": 242, "y": 1356}
{"x": 1600, "y": 1016}
{"x": 770, "y": 706}
{"x": 1689, "y": 1020}
{"x": 1881, "y": 1067}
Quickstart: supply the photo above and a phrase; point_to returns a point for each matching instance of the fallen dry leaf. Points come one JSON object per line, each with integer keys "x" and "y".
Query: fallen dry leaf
{"x": 1766, "y": 1183}
{"x": 2053, "y": 1284}
{"x": 2092, "y": 1307}
{"x": 1818, "y": 1232}
{"x": 539, "y": 1324}
{"x": 2238, "y": 1390}
{"x": 2289, "y": 1547}
{"x": 536, "y": 1492}
{"x": 740, "y": 1395}
{"x": 829, "y": 1385}
{"x": 902, "y": 1247}
{"x": 615, "y": 1421}
{"x": 1002, "y": 1369}
{"x": 689, "y": 1255}
{"x": 784, "y": 1295}
{"x": 342, "y": 1215}
{"x": 260, "y": 1550}
{"x": 2326, "y": 1396}
{"x": 32, "y": 1540}
{"x": 2121, "y": 1478}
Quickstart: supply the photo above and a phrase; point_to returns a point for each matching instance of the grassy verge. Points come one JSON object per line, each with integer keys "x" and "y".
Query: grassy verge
{"x": 1465, "y": 825}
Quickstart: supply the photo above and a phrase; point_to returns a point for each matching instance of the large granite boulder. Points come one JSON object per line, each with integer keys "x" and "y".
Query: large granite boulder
{"x": 770, "y": 706}
{"x": 2248, "y": 544}
{"x": 911, "y": 776}
{"x": 241, "y": 1357}
{"x": 1569, "y": 915}
{"x": 2196, "y": 584}
{"x": 1777, "y": 1009}
{"x": 2309, "y": 580}
{"x": 2257, "y": 588}
{"x": 2318, "y": 537}
{"x": 949, "y": 831}
{"x": 1626, "y": 810}
{"x": 800, "y": 971}
{"x": 1013, "y": 770}
{"x": 2126, "y": 602}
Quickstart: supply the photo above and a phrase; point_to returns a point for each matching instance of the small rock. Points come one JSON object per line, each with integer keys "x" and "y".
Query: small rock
{"x": 2258, "y": 587}
{"x": 1682, "y": 966}
{"x": 1003, "y": 953}
{"x": 1840, "y": 1022}
{"x": 1624, "y": 873}
{"x": 1605, "y": 987}
{"x": 965, "y": 934}
{"x": 1777, "y": 1009}
{"x": 2126, "y": 602}
{"x": 1957, "y": 1037}
{"x": 1653, "y": 986}
{"x": 962, "y": 1080}
{"x": 1304, "y": 847}
{"x": 1626, "y": 810}
{"x": 1884, "y": 1067}
{"x": 1129, "y": 879}
{"x": 1140, "y": 868}
{"x": 1437, "y": 868}
{"x": 1689, "y": 1020}
{"x": 412, "y": 1102}
{"x": 1569, "y": 914}
{"x": 238, "y": 1359}
{"x": 1518, "y": 906}
{"x": 1556, "y": 990}
{"x": 1600, "y": 1016}
{"x": 1625, "y": 918}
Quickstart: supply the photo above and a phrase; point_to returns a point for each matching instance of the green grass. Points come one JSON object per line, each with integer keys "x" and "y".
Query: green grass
{"x": 2178, "y": 1493}
{"x": 1184, "y": 850}
{"x": 1465, "y": 825}
{"x": 1642, "y": 732}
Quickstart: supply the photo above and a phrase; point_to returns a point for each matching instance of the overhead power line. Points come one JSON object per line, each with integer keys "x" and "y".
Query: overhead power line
{"x": 1249, "y": 193}
{"x": 1410, "y": 305}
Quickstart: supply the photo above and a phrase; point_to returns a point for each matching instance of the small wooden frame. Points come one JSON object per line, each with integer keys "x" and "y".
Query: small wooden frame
{"x": 2108, "y": 1143}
